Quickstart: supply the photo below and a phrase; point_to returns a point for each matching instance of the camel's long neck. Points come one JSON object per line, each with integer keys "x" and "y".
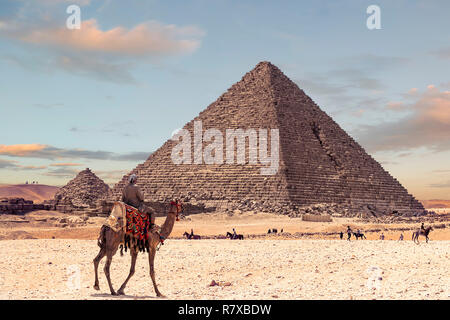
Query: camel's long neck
{"x": 167, "y": 226}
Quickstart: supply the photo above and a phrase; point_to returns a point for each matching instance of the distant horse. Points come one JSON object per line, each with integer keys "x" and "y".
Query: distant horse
{"x": 421, "y": 232}
{"x": 359, "y": 235}
{"x": 232, "y": 237}
{"x": 191, "y": 237}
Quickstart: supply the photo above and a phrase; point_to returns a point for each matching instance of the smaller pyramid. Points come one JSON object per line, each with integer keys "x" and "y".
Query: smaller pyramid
{"x": 85, "y": 190}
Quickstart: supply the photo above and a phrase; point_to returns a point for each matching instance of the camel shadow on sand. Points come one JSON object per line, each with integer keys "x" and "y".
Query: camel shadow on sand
{"x": 125, "y": 296}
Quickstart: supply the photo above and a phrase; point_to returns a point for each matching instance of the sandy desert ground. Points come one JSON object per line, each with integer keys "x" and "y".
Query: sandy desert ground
{"x": 41, "y": 259}
{"x": 45, "y": 225}
{"x": 256, "y": 269}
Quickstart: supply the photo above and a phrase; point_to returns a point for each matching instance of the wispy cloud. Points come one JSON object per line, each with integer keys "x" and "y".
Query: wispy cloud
{"x": 427, "y": 124}
{"x": 61, "y": 173}
{"x": 150, "y": 38}
{"x": 14, "y": 165}
{"x": 21, "y": 150}
{"x": 7, "y": 164}
{"x": 94, "y": 67}
{"x": 111, "y": 176}
{"x": 133, "y": 156}
{"x": 51, "y": 153}
{"x": 440, "y": 185}
{"x": 443, "y": 53}
{"x": 104, "y": 54}
{"x": 67, "y": 164}
{"x": 353, "y": 85}
{"x": 441, "y": 171}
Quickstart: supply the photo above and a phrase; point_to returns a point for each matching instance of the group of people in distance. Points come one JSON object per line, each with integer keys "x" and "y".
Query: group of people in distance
{"x": 133, "y": 196}
{"x": 358, "y": 234}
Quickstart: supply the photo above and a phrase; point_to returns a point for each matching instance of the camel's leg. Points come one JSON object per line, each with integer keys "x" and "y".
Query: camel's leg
{"x": 151, "y": 260}
{"x": 134, "y": 255}
{"x": 97, "y": 260}
{"x": 106, "y": 269}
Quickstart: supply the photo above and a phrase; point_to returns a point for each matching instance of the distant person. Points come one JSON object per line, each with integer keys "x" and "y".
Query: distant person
{"x": 234, "y": 234}
{"x": 341, "y": 235}
{"x": 349, "y": 233}
{"x": 192, "y": 233}
{"x": 422, "y": 227}
{"x": 382, "y": 236}
{"x": 401, "y": 237}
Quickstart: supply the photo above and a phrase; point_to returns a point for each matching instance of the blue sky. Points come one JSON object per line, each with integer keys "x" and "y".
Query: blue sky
{"x": 107, "y": 95}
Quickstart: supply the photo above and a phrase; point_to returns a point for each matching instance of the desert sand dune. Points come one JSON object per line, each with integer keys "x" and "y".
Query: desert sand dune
{"x": 35, "y": 192}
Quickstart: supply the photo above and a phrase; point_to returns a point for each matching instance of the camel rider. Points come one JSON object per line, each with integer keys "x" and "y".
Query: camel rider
{"x": 132, "y": 196}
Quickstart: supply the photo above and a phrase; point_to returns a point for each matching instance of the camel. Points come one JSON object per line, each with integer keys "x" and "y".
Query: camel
{"x": 424, "y": 232}
{"x": 189, "y": 236}
{"x": 109, "y": 241}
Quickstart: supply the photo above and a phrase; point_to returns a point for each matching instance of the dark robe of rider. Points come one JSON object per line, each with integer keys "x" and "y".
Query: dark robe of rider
{"x": 133, "y": 196}
{"x": 349, "y": 232}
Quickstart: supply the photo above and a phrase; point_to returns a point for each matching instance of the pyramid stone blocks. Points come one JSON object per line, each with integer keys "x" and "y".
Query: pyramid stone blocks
{"x": 319, "y": 163}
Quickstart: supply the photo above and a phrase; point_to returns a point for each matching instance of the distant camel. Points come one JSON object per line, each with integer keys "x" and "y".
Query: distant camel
{"x": 191, "y": 237}
{"x": 109, "y": 241}
{"x": 359, "y": 235}
{"x": 421, "y": 232}
{"x": 232, "y": 237}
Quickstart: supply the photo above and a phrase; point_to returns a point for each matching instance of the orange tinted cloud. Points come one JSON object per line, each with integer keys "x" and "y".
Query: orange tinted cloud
{"x": 65, "y": 164}
{"x": 438, "y": 107}
{"x": 20, "y": 149}
{"x": 32, "y": 167}
{"x": 426, "y": 125}
{"x": 394, "y": 105}
{"x": 145, "y": 39}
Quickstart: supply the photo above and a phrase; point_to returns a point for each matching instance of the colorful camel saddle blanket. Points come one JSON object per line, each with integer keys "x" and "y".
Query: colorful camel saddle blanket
{"x": 130, "y": 220}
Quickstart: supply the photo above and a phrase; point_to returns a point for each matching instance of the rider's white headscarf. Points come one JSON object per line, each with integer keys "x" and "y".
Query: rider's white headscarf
{"x": 132, "y": 178}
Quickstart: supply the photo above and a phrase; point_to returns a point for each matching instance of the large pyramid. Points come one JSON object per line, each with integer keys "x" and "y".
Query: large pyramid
{"x": 319, "y": 163}
{"x": 83, "y": 191}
